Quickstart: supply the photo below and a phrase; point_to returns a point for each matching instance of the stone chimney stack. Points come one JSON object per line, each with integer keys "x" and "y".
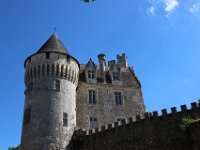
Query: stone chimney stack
{"x": 102, "y": 65}
{"x": 122, "y": 60}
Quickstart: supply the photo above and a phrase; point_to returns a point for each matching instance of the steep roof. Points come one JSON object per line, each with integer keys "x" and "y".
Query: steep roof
{"x": 53, "y": 44}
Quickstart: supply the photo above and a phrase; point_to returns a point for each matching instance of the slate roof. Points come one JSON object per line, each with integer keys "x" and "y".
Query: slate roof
{"x": 53, "y": 44}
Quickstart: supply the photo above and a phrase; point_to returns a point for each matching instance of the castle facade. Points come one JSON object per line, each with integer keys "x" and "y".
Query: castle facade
{"x": 62, "y": 95}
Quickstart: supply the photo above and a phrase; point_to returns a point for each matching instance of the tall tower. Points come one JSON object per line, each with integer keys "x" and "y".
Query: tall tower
{"x": 51, "y": 78}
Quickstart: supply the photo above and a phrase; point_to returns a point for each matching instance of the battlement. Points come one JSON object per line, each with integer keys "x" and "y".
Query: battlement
{"x": 62, "y": 71}
{"x": 193, "y": 112}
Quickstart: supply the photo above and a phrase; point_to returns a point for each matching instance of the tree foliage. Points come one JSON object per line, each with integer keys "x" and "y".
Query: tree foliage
{"x": 15, "y": 148}
{"x": 87, "y": 1}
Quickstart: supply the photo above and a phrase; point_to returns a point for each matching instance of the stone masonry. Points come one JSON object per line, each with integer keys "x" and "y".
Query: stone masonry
{"x": 175, "y": 130}
{"x": 105, "y": 85}
{"x": 61, "y": 95}
{"x": 51, "y": 79}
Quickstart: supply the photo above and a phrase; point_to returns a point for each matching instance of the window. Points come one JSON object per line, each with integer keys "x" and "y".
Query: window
{"x": 118, "y": 98}
{"x": 92, "y": 97}
{"x": 93, "y": 123}
{"x": 91, "y": 74}
{"x": 57, "y": 85}
{"x": 115, "y": 76}
{"x": 65, "y": 119}
{"x": 47, "y": 55}
{"x": 27, "y": 115}
{"x": 68, "y": 58}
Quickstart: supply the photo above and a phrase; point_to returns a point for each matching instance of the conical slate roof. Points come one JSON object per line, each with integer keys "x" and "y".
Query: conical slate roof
{"x": 53, "y": 44}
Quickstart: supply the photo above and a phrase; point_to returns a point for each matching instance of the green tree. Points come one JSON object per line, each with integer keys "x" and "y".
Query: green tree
{"x": 87, "y": 1}
{"x": 15, "y": 148}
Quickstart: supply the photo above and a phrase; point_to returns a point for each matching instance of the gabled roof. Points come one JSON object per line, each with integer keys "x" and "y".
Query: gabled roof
{"x": 53, "y": 44}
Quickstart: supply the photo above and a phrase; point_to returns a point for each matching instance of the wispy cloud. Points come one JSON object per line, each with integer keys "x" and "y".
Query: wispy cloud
{"x": 170, "y": 5}
{"x": 151, "y": 10}
{"x": 195, "y": 7}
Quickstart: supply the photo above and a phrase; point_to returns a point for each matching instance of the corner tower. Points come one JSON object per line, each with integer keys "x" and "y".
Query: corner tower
{"x": 51, "y": 78}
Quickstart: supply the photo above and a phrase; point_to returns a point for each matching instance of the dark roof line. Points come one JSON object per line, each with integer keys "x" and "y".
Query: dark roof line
{"x": 53, "y": 44}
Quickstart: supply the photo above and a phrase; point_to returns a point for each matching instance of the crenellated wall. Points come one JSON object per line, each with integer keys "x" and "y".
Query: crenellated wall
{"x": 145, "y": 132}
{"x": 58, "y": 65}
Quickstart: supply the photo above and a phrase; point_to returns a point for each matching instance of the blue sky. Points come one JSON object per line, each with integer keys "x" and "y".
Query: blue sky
{"x": 160, "y": 37}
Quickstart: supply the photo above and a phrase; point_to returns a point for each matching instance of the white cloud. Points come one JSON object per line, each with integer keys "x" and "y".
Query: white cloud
{"x": 151, "y": 10}
{"x": 170, "y": 5}
{"x": 195, "y": 7}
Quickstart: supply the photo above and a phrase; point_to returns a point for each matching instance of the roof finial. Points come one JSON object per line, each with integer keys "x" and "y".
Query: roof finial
{"x": 54, "y": 29}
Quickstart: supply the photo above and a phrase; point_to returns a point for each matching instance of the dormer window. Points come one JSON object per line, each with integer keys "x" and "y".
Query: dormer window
{"x": 115, "y": 76}
{"x": 91, "y": 74}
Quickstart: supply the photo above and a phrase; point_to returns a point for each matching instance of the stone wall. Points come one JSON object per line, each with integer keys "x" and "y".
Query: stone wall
{"x": 50, "y": 98}
{"x": 106, "y": 82}
{"x": 147, "y": 132}
{"x": 105, "y": 109}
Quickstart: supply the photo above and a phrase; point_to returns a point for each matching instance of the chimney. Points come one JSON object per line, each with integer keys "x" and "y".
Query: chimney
{"x": 102, "y": 65}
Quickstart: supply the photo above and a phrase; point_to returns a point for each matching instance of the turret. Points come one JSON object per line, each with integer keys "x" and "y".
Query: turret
{"x": 51, "y": 78}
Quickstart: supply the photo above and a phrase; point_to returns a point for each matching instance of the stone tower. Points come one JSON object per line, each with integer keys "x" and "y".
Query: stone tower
{"x": 51, "y": 78}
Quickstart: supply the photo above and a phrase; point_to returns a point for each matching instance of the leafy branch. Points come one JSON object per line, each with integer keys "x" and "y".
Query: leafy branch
{"x": 87, "y": 1}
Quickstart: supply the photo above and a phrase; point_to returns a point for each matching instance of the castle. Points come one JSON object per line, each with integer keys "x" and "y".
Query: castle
{"x": 62, "y": 94}
{"x": 63, "y": 97}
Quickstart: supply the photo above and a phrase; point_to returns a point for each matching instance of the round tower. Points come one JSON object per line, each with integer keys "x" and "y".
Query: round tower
{"x": 51, "y": 78}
